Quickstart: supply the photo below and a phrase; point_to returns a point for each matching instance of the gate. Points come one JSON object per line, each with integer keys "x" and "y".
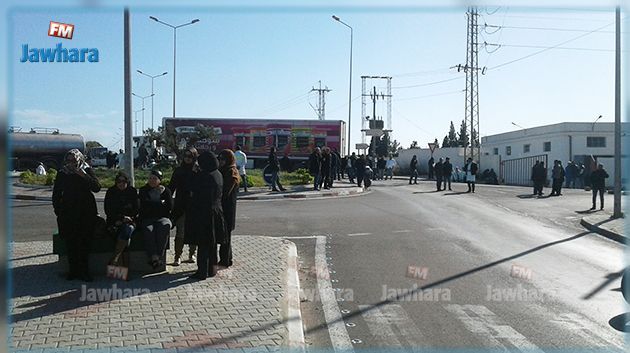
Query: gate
{"x": 519, "y": 171}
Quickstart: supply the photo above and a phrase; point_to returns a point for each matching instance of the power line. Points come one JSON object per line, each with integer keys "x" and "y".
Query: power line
{"x": 542, "y": 29}
{"x": 429, "y": 95}
{"x": 429, "y": 83}
{"x": 544, "y": 47}
{"x": 421, "y": 73}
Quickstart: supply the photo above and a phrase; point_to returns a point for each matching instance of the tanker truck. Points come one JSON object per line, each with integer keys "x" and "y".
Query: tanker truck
{"x": 48, "y": 146}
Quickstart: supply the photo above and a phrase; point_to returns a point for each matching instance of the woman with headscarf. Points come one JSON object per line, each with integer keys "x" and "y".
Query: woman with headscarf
{"x": 231, "y": 180}
{"x": 121, "y": 208}
{"x": 156, "y": 204}
{"x": 204, "y": 215}
{"x": 75, "y": 208}
{"x": 180, "y": 186}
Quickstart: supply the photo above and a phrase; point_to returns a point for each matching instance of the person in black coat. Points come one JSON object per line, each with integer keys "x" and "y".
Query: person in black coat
{"x": 598, "y": 185}
{"x": 334, "y": 167}
{"x": 204, "y": 215}
{"x": 121, "y": 208}
{"x": 75, "y": 208}
{"x": 413, "y": 169}
{"x": 431, "y": 170}
{"x": 180, "y": 186}
{"x": 539, "y": 176}
{"x": 447, "y": 168}
{"x": 326, "y": 162}
{"x": 315, "y": 166}
{"x": 156, "y": 204}
{"x": 439, "y": 172}
{"x": 231, "y": 181}
{"x": 471, "y": 168}
{"x": 274, "y": 168}
{"x": 359, "y": 169}
{"x": 341, "y": 164}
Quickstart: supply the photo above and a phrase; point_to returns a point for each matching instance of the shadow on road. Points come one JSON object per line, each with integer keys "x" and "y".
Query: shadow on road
{"x": 456, "y": 193}
{"x": 609, "y": 278}
{"x": 620, "y": 322}
{"x": 589, "y": 211}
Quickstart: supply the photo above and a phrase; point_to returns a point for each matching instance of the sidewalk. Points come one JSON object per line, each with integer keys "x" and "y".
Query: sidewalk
{"x": 601, "y": 223}
{"x": 246, "y": 308}
{"x": 340, "y": 188}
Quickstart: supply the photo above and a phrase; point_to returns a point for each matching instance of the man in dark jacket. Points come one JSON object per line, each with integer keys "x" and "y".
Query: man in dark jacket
{"x": 351, "y": 168}
{"x": 471, "y": 168}
{"x": 359, "y": 167}
{"x": 413, "y": 169}
{"x": 598, "y": 185}
{"x": 447, "y": 168}
{"x": 274, "y": 168}
{"x": 314, "y": 166}
{"x": 340, "y": 164}
{"x": 532, "y": 177}
{"x": 180, "y": 185}
{"x": 326, "y": 163}
{"x": 334, "y": 167}
{"x": 380, "y": 166}
{"x": 539, "y": 176}
{"x": 431, "y": 170}
{"x": 439, "y": 172}
{"x": 557, "y": 174}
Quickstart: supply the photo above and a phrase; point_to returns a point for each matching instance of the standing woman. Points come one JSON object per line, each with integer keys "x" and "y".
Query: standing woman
{"x": 204, "y": 215}
{"x": 231, "y": 180}
{"x": 180, "y": 186}
{"x": 274, "y": 168}
{"x": 156, "y": 204}
{"x": 75, "y": 208}
{"x": 121, "y": 208}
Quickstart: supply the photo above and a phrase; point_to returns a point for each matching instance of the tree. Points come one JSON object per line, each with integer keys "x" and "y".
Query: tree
{"x": 175, "y": 142}
{"x": 92, "y": 144}
{"x": 151, "y": 135}
{"x": 394, "y": 146}
{"x": 463, "y": 139}
{"x": 414, "y": 144}
{"x": 452, "y": 137}
{"x": 446, "y": 142}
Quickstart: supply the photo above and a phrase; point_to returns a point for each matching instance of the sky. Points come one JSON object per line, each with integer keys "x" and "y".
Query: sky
{"x": 262, "y": 61}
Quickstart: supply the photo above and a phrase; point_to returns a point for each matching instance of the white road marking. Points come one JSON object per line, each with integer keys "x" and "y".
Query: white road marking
{"x": 358, "y": 234}
{"x": 380, "y": 321}
{"x": 336, "y": 328}
{"x": 300, "y": 237}
{"x": 576, "y": 322}
{"x": 483, "y": 322}
{"x": 380, "y": 327}
{"x": 402, "y": 231}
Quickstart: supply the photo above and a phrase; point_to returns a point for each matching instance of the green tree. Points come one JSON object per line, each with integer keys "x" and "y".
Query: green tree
{"x": 452, "y": 137}
{"x": 151, "y": 135}
{"x": 414, "y": 144}
{"x": 92, "y": 144}
{"x": 463, "y": 138}
{"x": 446, "y": 142}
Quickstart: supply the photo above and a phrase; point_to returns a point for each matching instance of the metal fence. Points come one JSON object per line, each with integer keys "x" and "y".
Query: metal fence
{"x": 519, "y": 171}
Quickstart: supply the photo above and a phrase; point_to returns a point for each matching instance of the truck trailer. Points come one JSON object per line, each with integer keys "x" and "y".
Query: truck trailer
{"x": 30, "y": 148}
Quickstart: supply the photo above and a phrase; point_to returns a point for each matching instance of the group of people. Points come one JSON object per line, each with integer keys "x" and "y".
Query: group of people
{"x": 442, "y": 172}
{"x": 325, "y": 165}
{"x": 203, "y": 211}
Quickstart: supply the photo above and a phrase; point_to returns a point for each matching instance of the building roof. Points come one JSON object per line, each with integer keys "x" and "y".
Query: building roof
{"x": 554, "y": 129}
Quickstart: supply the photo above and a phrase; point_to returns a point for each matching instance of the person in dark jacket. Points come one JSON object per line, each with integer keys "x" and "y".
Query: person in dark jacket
{"x": 539, "y": 176}
{"x": 413, "y": 169}
{"x": 326, "y": 162}
{"x": 231, "y": 180}
{"x": 314, "y": 166}
{"x": 471, "y": 168}
{"x": 121, "y": 208}
{"x": 340, "y": 164}
{"x": 350, "y": 167}
{"x": 180, "y": 186}
{"x": 359, "y": 169}
{"x": 532, "y": 177}
{"x": 439, "y": 172}
{"x": 447, "y": 172}
{"x": 334, "y": 167}
{"x": 431, "y": 163}
{"x": 204, "y": 222}
{"x": 274, "y": 168}
{"x": 380, "y": 166}
{"x": 156, "y": 204}
{"x": 598, "y": 185}
{"x": 557, "y": 174}
{"x": 75, "y": 207}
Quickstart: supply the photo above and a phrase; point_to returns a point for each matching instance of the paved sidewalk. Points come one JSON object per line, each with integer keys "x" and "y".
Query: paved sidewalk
{"x": 340, "y": 188}
{"x": 602, "y": 223}
{"x": 244, "y": 308}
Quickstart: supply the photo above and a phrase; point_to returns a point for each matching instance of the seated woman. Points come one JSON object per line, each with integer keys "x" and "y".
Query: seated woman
{"x": 154, "y": 218}
{"x": 121, "y": 208}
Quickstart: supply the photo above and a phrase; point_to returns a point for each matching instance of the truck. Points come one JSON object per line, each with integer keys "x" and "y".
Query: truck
{"x": 295, "y": 138}
{"x": 47, "y": 146}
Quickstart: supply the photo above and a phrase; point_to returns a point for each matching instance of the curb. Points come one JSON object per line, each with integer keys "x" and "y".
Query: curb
{"x": 291, "y": 305}
{"x": 603, "y": 231}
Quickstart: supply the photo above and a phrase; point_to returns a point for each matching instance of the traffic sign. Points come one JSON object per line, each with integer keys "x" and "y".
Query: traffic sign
{"x": 432, "y": 146}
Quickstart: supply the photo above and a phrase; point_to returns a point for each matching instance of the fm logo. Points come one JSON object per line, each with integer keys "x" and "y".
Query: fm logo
{"x": 60, "y": 30}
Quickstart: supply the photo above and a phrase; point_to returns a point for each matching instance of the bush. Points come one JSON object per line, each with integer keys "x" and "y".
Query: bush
{"x": 51, "y": 176}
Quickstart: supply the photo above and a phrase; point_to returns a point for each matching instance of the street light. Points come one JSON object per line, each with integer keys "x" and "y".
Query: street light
{"x": 135, "y": 112}
{"x": 517, "y": 125}
{"x": 350, "y": 84}
{"x": 174, "y": 48}
{"x": 143, "y": 98}
{"x": 151, "y": 77}
{"x": 593, "y": 126}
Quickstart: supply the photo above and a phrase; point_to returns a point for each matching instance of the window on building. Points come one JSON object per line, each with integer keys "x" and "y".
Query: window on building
{"x": 283, "y": 140}
{"x": 495, "y": 151}
{"x": 547, "y": 146}
{"x": 301, "y": 141}
{"x": 320, "y": 141}
{"x": 593, "y": 141}
{"x": 260, "y": 141}
{"x": 241, "y": 140}
{"x": 508, "y": 150}
{"x": 526, "y": 148}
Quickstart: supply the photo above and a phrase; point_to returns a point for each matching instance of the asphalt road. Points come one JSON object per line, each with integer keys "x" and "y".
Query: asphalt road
{"x": 495, "y": 269}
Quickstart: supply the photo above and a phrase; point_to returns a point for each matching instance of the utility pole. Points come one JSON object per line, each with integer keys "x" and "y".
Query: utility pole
{"x": 472, "y": 69}
{"x": 127, "y": 88}
{"x": 617, "y": 200}
{"x": 321, "y": 105}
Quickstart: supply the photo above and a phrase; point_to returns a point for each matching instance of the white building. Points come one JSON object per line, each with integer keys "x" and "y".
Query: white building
{"x": 513, "y": 154}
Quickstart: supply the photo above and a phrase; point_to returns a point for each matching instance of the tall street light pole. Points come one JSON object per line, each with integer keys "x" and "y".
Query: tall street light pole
{"x": 152, "y": 94}
{"x": 617, "y": 198}
{"x": 174, "y": 48}
{"x": 350, "y": 84}
{"x": 143, "y": 98}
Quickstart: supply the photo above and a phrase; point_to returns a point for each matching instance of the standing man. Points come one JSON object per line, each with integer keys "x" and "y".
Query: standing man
{"x": 413, "y": 170}
{"x": 359, "y": 167}
{"x": 471, "y": 169}
{"x": 439, "y": 172}
{"x": 539, "y": 175}
{"x": 380, "y": 166}
{"x": 533, "y": 179}
{"x": 389, "y": 167}
{"x": 598, "y": 185}
{"x": 350, "y": 167}
{"x": 241, "y": 163}
{"x": 143, "y": 154}
{"x": 339, "y": 165}
{"x": 274, "y": 168}
{"x": 431, "y": 162}
{"x": 315, "y": 165}
{"x": 557, "y": 173}
{"x": 447, "y": 173}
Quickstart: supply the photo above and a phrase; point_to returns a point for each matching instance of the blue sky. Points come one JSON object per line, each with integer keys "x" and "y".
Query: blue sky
{"x": 252, "y": 62}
